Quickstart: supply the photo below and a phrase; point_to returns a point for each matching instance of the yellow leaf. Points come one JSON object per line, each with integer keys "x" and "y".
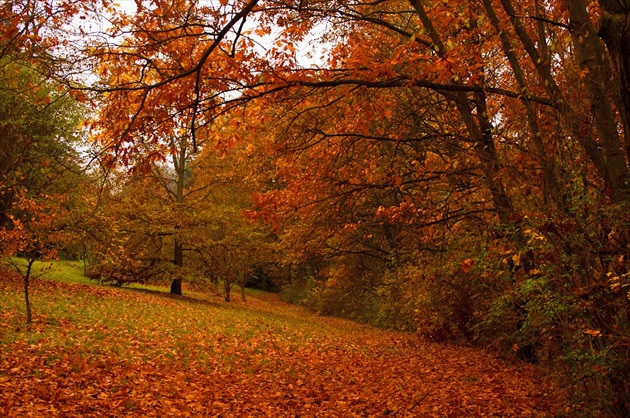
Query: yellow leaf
{"x": 516, "y": 258}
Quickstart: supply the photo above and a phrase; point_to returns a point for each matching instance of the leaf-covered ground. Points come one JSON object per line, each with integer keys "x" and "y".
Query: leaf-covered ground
{"x": 96, "y": 351}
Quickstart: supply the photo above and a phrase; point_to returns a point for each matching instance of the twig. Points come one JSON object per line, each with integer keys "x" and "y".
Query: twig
{"x": 415, "y": 404}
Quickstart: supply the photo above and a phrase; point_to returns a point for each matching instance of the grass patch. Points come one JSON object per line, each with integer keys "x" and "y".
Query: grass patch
{"x": 63, "y": 271}
{"x": 59, "y": 270}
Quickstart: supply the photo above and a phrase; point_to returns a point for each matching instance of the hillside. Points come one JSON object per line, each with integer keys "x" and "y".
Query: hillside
{"x": 98, "y": 351}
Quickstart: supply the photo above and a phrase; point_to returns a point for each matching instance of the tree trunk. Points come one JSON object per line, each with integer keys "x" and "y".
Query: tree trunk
{"x": 591, "y": 56}
{"x": 479, "y": 128}
{"x": 178, "y": 260}
{"x": 568, "y": 115}
{"x": 551, "y": 187}
{"x": 176, "y": 286}
{"x": 179, "y": 161}
{"x": 227, "y": 288}
{"x": 614, "y": 29}
{"x": 27, "y": 278}
{"x": 242, "y": 281}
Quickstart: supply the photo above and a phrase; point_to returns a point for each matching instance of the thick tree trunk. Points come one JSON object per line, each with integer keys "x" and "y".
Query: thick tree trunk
{"x": 614, "y": 29}
{"x": 551, "y": 188}
{"x": 602, "y": 154}
{"x": 176, "y": 287}
{"x": 591, "y": 56}
{"x": 178, "y": 260}
{"x": 479, "y": 128}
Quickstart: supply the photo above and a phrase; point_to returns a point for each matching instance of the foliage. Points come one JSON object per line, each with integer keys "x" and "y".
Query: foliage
{"x": 573, "y": 306}
{"x": 140, "y": 224}
{"x": 38, "y": 123}
{"x": 37, "y": 231}
{"x": 38, "y": 167}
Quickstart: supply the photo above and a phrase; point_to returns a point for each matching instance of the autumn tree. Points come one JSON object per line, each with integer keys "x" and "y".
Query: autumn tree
{"x": 231, "y": 244}
{"x": 39, "y": 167}
{"x": 165, "y": 122}
{"x": 38, "y": 230}
{"x": 194, "y": 210}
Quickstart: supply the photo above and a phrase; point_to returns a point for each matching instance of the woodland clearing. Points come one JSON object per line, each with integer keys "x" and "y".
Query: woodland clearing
{"x": 100, "y": 351}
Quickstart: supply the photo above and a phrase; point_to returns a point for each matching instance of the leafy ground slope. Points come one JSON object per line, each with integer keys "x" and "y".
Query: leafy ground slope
{"x": 97, "y": 351}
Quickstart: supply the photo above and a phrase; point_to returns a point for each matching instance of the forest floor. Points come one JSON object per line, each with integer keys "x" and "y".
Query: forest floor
{"x": 95, "y": 351}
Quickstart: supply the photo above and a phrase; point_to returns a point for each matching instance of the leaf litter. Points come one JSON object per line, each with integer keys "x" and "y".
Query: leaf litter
{"x": 105, "y": 352}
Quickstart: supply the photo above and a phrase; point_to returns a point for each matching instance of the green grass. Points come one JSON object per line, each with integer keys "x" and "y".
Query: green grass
{"x": 64, "y": 271}
{"x": 60, "y": 270}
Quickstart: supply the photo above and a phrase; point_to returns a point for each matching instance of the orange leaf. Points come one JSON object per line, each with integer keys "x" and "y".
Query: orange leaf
{"x": 466, "y": 265}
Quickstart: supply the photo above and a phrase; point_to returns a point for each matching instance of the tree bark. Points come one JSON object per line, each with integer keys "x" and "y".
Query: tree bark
{"x": 176, "y": 287}
{"x": 179, "y": 161}
{"x": 614, "y": 29}
{"x": 591, "y": 56}
{"x": 479, "y": 128}
{"x": 27, "y": 301}
{"x": 567, "y": 114}
{"x": 551, "y": 186}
